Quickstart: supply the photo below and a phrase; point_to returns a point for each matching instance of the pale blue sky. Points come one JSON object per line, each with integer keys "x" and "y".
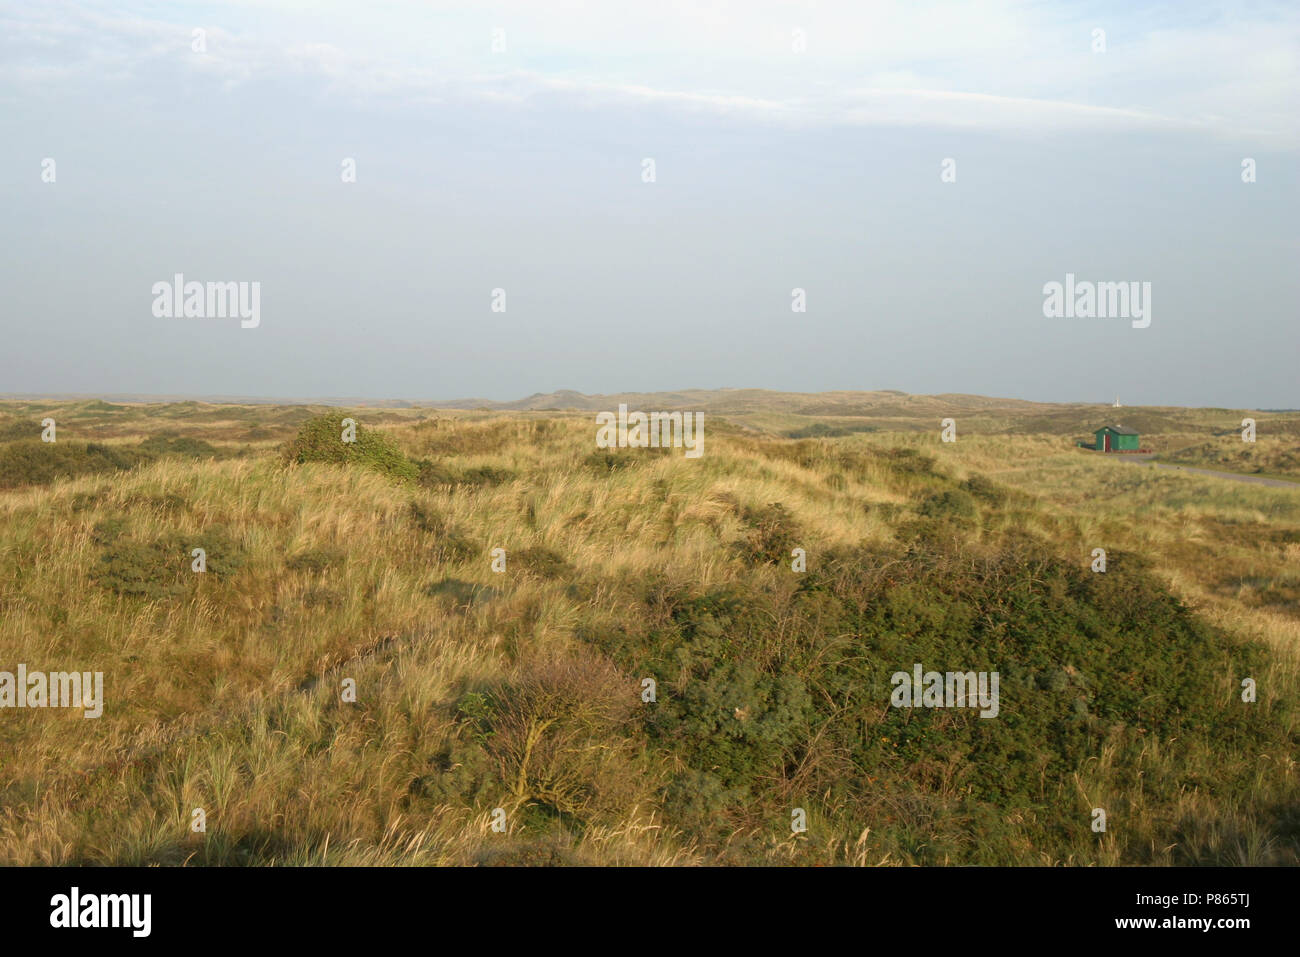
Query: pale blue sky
{"x": 776, "y": 169}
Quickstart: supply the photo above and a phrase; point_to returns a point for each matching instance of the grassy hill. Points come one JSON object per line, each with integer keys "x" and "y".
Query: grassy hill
{"x": 523, "y": 689}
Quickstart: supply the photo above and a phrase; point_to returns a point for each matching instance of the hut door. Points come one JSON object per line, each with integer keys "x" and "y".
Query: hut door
{"x": 1106, "y": 438}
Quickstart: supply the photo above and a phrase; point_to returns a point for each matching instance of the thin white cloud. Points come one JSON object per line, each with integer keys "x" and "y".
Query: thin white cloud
{"x": 1001, "y": 66}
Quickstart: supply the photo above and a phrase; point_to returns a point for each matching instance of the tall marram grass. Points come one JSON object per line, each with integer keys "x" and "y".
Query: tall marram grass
{"x": 522, "y": 690}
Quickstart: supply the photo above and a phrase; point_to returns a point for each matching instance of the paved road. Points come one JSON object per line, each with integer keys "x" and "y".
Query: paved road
{"x": 1235, "y": 476}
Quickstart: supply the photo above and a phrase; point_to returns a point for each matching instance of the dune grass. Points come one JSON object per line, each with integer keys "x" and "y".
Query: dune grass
{"x": 522, "y": 689}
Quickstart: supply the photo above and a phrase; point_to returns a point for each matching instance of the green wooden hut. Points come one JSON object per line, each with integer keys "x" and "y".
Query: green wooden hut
{"x": 1116, "y": 438}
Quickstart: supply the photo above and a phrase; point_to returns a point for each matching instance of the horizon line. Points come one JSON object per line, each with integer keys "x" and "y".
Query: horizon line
{"x": 461, "y": 404}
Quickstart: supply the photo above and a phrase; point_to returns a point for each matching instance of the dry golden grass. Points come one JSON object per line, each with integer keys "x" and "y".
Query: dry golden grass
{"x": 227, "y": 697}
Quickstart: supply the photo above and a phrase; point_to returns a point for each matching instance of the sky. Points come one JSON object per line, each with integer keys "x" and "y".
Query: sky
{"x": 795, "y": 146}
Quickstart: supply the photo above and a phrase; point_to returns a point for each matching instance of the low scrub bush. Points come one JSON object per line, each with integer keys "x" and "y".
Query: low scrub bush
{"x": 768, "y": 696}
{"x": 321, "y": 440}
{"x": 772, "y": 534}
{"x": 559, "y": 734}
{"x": 436, "y": 474}
{"x": 33, "y": 462}
{"x": 170, "y": 444}
{"x": 161, "y": 568}
{"x": 951, "y": 504}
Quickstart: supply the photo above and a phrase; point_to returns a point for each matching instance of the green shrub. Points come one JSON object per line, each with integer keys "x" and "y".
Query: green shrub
{"x": 772, "y": 534}
{"x": 154, "y": 571}
{"x": 225, "y": 554}
{"x": 559, "y": 735}
{"x": 171, "y": 444}
{"x": 162, "y": 568}
{"x": 737, "y": 721}
{"x": 321, "y": 440}
{"x": 436, "y": 474}
{"x": 33, "y": 462}
{"x": 761, "y": 690}
{"x": 949, "y": 504}
{"x": 698, "y": 800}
{"x": 15, "y": 429}
{"x": 459, "y": 773}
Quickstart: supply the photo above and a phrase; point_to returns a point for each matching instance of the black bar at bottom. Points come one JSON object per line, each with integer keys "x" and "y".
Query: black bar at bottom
{"x": 336, "y": 906}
